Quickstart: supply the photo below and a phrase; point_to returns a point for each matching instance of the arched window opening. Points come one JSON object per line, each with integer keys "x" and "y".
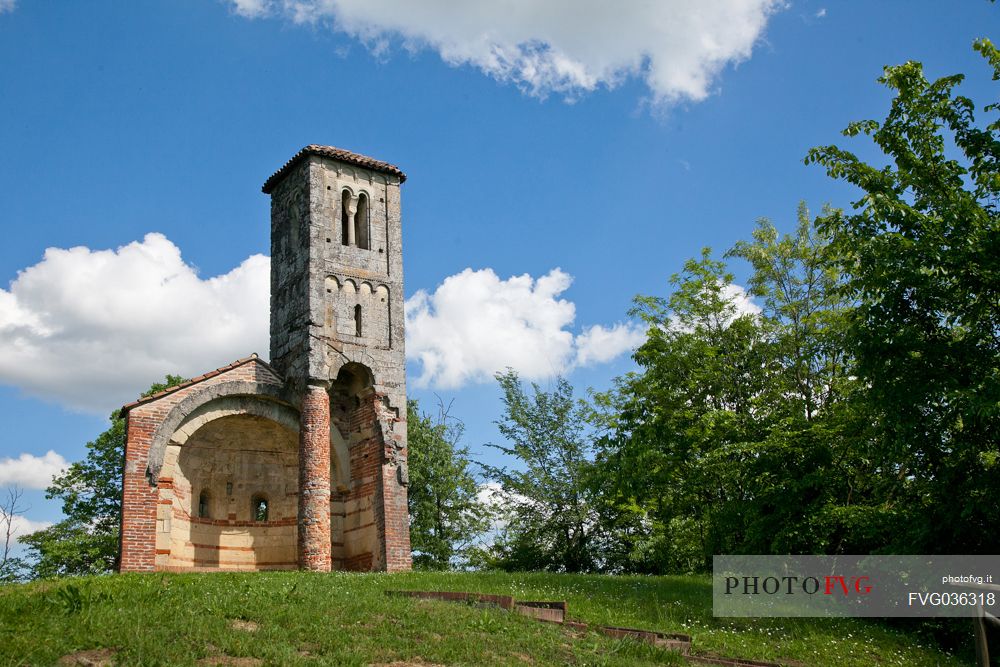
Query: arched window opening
{"x": 345, "y": 219}
{"x": 203, "y": 506}
{"x": 361, "y": 222}
{"x": 258, "y": 508}
{"x": 357, "y": 321}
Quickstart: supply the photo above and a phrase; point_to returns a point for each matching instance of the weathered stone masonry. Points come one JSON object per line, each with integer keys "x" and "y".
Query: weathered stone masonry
{"x": 301, "y": 462}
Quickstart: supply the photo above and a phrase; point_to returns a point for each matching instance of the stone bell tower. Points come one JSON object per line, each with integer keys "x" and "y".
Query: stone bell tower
{"x": 337, "y": 339}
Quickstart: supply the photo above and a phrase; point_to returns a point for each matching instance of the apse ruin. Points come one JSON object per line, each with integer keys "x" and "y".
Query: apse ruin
{"x": 299, "y": 462}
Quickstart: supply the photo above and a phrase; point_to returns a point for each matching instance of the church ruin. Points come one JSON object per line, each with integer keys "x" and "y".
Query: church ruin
{"x": 300, "y": 462}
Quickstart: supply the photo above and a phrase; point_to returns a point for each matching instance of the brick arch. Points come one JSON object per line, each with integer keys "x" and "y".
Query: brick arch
{"x": 255, "y": 396}
{"x": 226, "y": 406}
{"x": 354, "y": 357}
{"x": 231, "y": 398}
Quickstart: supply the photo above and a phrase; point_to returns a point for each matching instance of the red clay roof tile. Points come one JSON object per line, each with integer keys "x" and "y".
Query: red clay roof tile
{"x": 336, "y": 154}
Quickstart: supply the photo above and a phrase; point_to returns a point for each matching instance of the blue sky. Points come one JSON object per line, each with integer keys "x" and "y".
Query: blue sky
{"x": 588, "y": 151}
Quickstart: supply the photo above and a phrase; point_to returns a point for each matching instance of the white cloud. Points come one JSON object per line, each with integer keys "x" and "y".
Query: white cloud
{"x": 677, "y": 47}
{"x": 475, "y": 324}
{"x": 7, "y": 5}
{"x": 498, "y": 503}
{"x": 598, "y": 345}
{"x": 93, "y": 328}
{"x": 23, "y": 526}
{"x": 821, "y": 13}
{"x": 741, "y": 300}
{"x": 29, "y": 471}
{"x": 251, "y": 8}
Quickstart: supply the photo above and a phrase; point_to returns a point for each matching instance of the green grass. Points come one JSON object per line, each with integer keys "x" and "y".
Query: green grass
{"x": 346, "y": 619}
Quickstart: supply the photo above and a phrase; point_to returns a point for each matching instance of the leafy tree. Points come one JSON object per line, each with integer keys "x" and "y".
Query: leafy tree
{"x": 678, "y": 440}
{"x": 547, "y": 504}
{"x": 446, "y": 517}
{"x": 745, "y": 432}
{"x": 818, "y": 485}
{"x": 797, "y": 286}
{"x": 921, "y": 256}
{"x": 86, "y": 541}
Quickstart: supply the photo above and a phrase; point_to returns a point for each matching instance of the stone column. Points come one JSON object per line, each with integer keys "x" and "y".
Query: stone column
{"x": 352, "y": 211}
{"x": 314, "y": 480}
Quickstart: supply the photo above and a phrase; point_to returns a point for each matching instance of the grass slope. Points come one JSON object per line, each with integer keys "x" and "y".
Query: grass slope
{"x": 295, "y": 618}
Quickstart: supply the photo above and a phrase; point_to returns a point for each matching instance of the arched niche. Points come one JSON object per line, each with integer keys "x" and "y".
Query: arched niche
{"x": 345, "y": 217}
{"x": 354, "y": 383}
{"x": 232, "y": 460}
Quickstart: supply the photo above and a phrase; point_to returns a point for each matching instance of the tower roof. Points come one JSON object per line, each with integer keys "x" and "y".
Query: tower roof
{"x": 336, "y": 154}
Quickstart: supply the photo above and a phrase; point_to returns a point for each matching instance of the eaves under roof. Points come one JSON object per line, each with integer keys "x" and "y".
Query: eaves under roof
{"x": 336, "y": 154}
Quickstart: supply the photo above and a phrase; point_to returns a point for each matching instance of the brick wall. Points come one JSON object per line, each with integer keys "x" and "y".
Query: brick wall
{"x": 396, "y": 519}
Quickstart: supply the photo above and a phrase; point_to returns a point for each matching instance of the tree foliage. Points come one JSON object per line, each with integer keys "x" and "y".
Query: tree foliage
{"x": 921, "y": 255}
{"x": 86, "y": 541}
{"x": 687, "y": 417}
{"x": 817, "y": 468}
{"x": 546, "y": 504}
{"x": 446, "y": 516}
{"x": 742, "y": 432}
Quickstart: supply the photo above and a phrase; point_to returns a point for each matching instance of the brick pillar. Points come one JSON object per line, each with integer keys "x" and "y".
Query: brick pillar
{"x": 139, "y": 498}
{"x": 396, "y": 516}
{"x": 390, "y": 507}
{"x": 314, "y": 480}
